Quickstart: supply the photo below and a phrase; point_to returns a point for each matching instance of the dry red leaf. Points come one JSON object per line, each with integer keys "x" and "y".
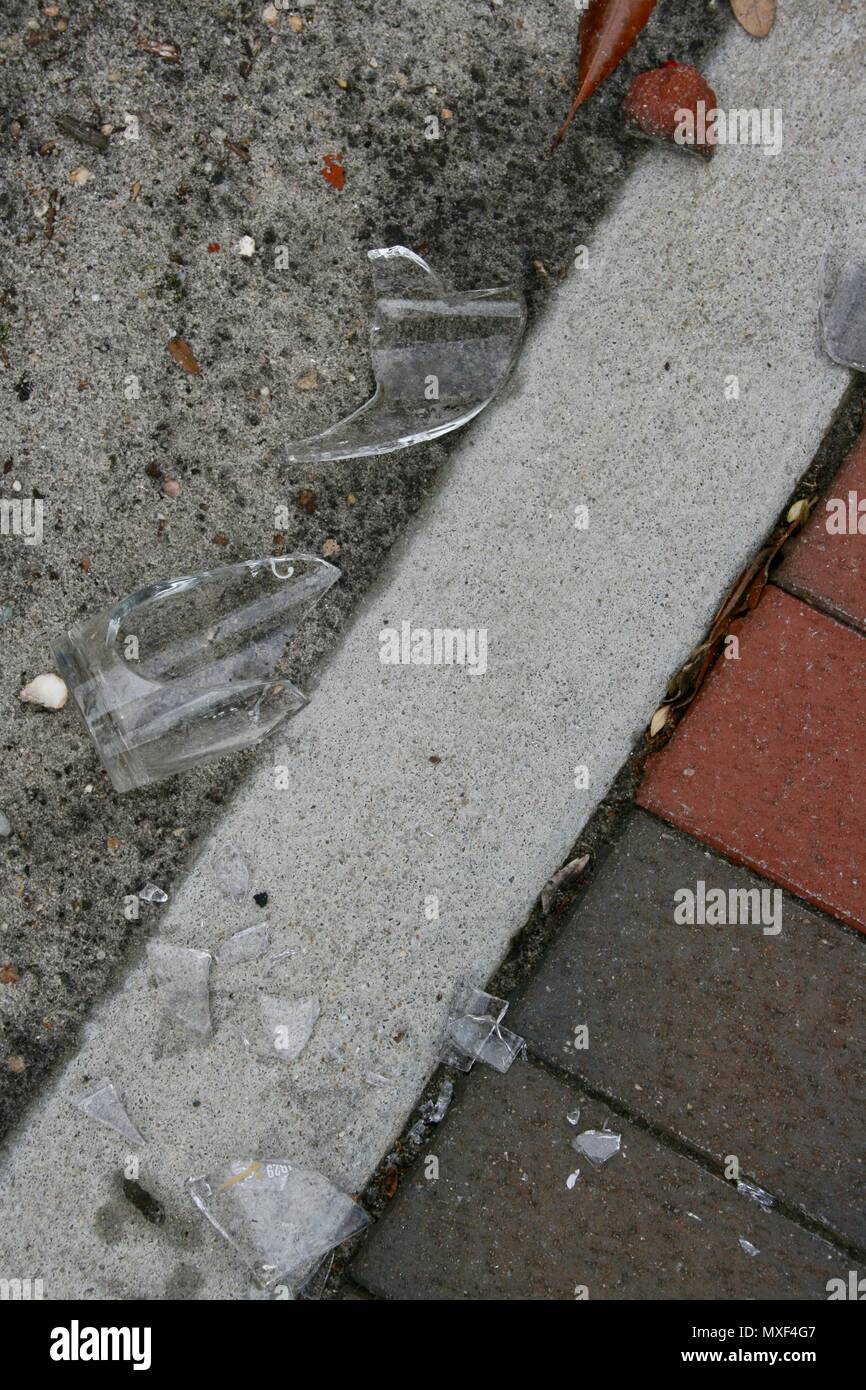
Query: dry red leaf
{"x": 607, "y": 31}
{"x": 183, "y": 355}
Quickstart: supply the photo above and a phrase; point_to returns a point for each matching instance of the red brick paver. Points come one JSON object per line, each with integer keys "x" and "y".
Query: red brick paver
{"x": 828, "y": 567}
{"x": 768, "y": 765}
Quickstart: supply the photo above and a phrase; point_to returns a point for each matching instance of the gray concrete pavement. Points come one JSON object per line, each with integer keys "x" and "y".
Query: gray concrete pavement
{"x": 701, "y": 274}
{"x": 95, "y": 411}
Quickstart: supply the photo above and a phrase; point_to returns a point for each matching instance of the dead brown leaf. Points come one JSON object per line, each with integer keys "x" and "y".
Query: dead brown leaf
{"x": 168, "y": 52}
{"x": 756, "y": 16}
{"x": 607, "y": 31}
{"x": 183, "y": 355}
{"x": 560, "y": 880}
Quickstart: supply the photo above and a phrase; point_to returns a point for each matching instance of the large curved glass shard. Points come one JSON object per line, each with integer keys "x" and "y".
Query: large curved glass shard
{"x": 279, "y": 1218}
{"x": 439, "y": 357}
{"x": 842, "y": 313}
{"x": 190, "y": 669}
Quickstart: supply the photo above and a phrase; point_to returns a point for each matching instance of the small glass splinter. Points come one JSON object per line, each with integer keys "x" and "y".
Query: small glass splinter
{"x": 102, "y": 1104}
{"x": 439, "y": 357}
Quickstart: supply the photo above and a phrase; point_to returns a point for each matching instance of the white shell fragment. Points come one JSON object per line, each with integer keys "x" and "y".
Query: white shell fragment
{"x": 49, "y": 691}
{"x": 102, "y": 1104}
{"x": 245, "y": 246}
{"x": 598, "y": 1145}
{"x": 244, "y": 946}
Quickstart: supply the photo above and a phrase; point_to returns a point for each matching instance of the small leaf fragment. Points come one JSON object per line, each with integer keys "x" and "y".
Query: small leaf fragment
{"x": 659, "y": 720}
{"x": 756, "y": 16}
{"x": 799, "y": 511}
{"x": 561, "y": 879}
{"x": 183, "y": 355}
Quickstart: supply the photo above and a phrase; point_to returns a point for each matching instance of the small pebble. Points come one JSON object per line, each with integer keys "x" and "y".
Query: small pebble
{"x": 5, "y": 824}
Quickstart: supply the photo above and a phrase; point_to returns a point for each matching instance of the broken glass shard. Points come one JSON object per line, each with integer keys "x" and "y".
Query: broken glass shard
{"x": 598, "y": 1145}
{"x": 573, "y": 1117}
{"x": 285, "y": 1026}
{"x": 279, "y": 1218}
{"x": 435, "y": 1111}
{"x": 572, "y": 1179}
{"x": 439, "y": 357}
{"x": 190, "y": 669}
{"x": 843, "y": 307}
{"x": 756, "y": 1194}
{"x": 475, "y": 1032}
{"x": 102, "y": 1104}
{"x": 232, "y": 871}
{"x": 244, "y": 946}
{"x": 183, "y": 977}
{"x": 500, "y": 1048}
{"x": 416, "y": 1133}
{"x": 151, "y": 894}
{"x": 375, "y": 1078}
{"x": 749, "y": 1248}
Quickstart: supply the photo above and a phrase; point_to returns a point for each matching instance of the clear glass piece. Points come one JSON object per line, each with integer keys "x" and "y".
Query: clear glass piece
{"x": 756, "y": 1194}
{"x": 439, "y": 357}
{"x": 279, "y": 1218}
{"x": 102, "y": 1104}
{"x": 435, "y": 1111}
{"x": 500, "y": 1048}
{"x": 183, "y": 977}
{"x": 598, "y": 1145}
{"x": 244, "y": 946}
{"x": 843, "y": 305}
{"x": 150, "y": 893}
{"x": 190, "y": 669}
{"x": 232, "y": 871}
{"x": 284, "y": 1027}
{"x": 474, "y": 1032}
